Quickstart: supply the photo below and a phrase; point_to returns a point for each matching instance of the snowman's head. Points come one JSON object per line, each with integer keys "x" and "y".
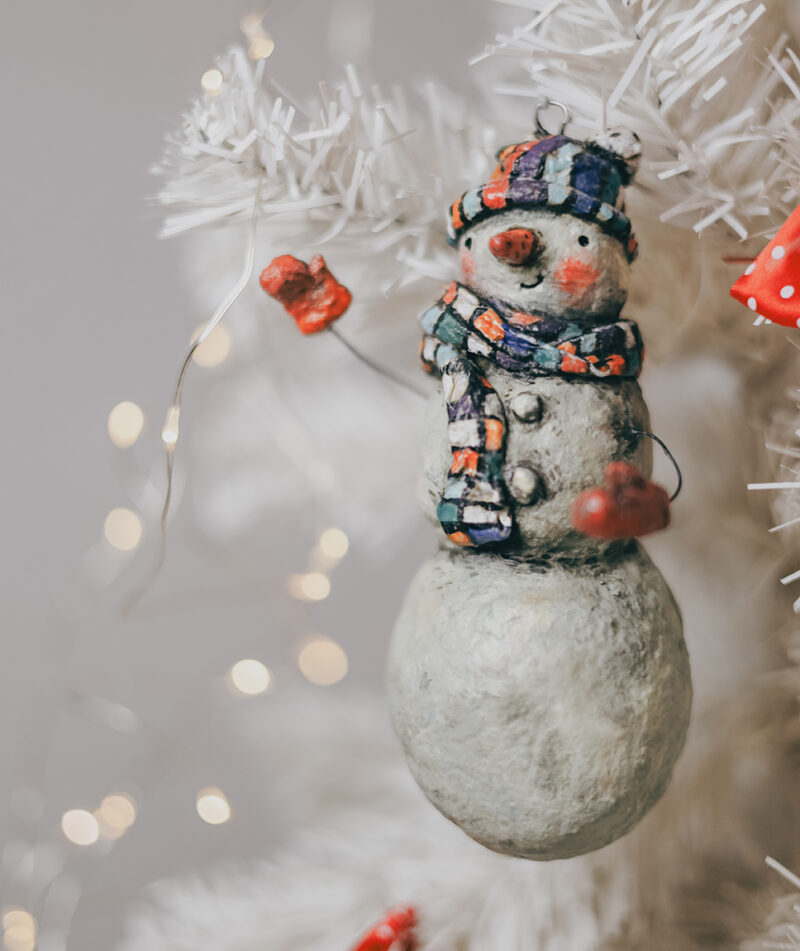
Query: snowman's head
{"x": 548, "y": 232}
{"x": 539, "y": 261}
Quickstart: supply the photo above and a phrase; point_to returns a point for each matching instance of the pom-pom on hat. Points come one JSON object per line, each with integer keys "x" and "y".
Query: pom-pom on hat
{"x": 564, "y": 175}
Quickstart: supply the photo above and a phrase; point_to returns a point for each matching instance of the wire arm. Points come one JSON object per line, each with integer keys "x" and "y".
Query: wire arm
{"x": 668, "y": 454}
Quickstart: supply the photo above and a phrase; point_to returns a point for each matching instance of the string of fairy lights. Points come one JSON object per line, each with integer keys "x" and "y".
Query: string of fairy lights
{"x": 320, "y": 659}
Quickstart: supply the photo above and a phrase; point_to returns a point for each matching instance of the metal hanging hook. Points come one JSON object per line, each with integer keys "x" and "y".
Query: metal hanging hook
{"x": 547, "y": 104}
{"x": 668, "y": 454}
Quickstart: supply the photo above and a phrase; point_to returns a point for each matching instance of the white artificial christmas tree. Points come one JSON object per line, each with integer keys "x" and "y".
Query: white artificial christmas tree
{"x": 711, "y": 89}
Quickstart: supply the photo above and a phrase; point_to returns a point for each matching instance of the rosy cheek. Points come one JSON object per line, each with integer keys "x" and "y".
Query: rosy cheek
{"x": 575, "y": 276}
{"x": 467, "y": 266}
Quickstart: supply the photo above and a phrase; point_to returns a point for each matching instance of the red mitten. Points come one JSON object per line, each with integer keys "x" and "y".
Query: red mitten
{"x": 309, "y": 292}
{"x": 395, "y": 932}
{"x": 771, "y": 284}
{"x": 628, "y": 506}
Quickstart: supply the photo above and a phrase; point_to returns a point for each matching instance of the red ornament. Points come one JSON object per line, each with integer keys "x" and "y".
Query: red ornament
{"x": 628, "y": 506}
{"x": 394, "y": 933}
{"x": 309, "y": 292}
{"x": 771, "y": 284}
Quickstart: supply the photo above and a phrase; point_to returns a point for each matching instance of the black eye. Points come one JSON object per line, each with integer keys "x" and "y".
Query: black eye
{"x": 583, "y": 240}
{"x": 468, "y": 243}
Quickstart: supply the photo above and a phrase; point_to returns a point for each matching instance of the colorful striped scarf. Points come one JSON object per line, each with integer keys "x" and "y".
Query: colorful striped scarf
{"x": 518, "y": 342}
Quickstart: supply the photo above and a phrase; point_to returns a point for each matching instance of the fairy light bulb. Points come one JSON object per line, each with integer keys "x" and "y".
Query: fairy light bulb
{"x": 115, "y": 815}
{"x": 213, "y": 806}
{"x": 261, "y": 46}
{"x": 125, "y": 423}
{"x": 123, "y": 529}
{"x": 312, "y": 586}
{"x": 250, "y": 677}
{"x": 20, "y": 930}
{"x": 323, "y": 662}
{"x": 80, "y": 827}
{"x": 211, "y": 81}
{"x": 334, "y": 543}
{"x": 169, "y": 434}
{"x": 214, "y": 349}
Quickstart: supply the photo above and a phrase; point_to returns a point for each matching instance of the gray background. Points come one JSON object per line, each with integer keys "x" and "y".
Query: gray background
{"x": 95, "y": 311}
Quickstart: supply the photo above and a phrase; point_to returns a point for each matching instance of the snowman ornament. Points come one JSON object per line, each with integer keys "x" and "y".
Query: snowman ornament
{"x": 538, "y": 677}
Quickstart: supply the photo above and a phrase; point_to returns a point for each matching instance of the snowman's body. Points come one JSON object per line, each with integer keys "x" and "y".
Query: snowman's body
{"x": 562, "y": 432}
{"x": 539, "y": 683}
{"x": 541, "y": 708}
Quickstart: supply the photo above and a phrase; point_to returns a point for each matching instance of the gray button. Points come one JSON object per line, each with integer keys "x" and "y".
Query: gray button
{"x": 524, "y": 484}
{"x": 527, "y": 407}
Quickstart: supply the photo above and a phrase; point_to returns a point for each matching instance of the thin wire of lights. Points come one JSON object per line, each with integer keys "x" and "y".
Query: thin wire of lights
{"x": 171, "y": 430}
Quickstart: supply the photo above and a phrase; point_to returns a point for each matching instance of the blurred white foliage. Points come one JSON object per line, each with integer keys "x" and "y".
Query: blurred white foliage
{"x": 785, "y": 499}
{"x": 710, "y": 87}
{"x": 370, "y": 167}
{"x": 288, "y": 439}
{"x": 781, "y": 929}
{"x": 366, "y": 840}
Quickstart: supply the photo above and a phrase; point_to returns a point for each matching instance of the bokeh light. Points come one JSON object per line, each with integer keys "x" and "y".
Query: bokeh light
{"x": 125, "y": 423}
{"x": 334, "y": 543}
{"x": 323, "y": 661}
{"x": 261, "y": 46}
{"x": 169, "y": 434}
{"x": 115, "y": 815}
{"x": 214, "y": 349}
{"x": 211, "y": 81}
{"x": 213, "y": 806}
{"x": 250, "y": 677}
{"x": 19, "y": 930}
{"x": 80, "y": 827}
{"x": 312, "y": 586}
{"x": 123, "y": 529}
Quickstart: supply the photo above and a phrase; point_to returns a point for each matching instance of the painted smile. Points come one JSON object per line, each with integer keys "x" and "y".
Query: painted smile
{"x": 536, "y": 283}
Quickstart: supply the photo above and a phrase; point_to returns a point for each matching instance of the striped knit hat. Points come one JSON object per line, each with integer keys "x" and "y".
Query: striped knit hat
{"x": 585, "y": 179}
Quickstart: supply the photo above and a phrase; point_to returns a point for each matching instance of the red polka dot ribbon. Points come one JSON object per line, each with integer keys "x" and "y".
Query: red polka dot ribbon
{"x": 771, "y": 284}
{"x": 395, "y": 932}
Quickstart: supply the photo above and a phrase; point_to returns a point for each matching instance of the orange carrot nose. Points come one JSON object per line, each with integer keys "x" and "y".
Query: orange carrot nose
{"x": 516, "y": 246}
